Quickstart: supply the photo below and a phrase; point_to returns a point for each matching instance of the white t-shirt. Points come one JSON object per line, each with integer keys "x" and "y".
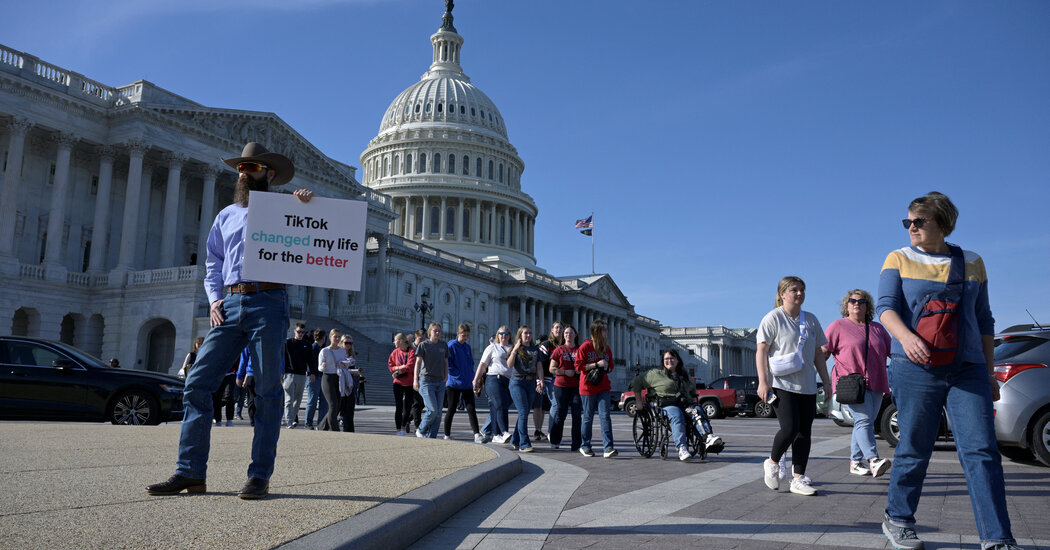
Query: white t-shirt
{"x": 328, "y": 360}
{"x": 780, "y": 331}
{"x": 495, "y": 357}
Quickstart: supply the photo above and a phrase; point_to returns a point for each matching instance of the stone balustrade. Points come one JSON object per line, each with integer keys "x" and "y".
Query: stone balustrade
{"x": 35, "y": 272}
{"x": 53, "y": 76}
{"x": 166, "y": 275}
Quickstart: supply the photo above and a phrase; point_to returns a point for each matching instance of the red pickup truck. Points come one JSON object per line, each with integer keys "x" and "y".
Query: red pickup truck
{"x": 717, "y": 403}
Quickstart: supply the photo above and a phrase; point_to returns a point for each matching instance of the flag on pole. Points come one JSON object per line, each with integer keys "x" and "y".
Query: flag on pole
{"x": 586, "y": 224}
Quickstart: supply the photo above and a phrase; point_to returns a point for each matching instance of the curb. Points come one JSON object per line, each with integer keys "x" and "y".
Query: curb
{"x": 399, "y": 522}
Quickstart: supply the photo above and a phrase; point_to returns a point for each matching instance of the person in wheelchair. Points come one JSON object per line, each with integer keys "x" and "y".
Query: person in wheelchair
{"x": 672, "y": 389}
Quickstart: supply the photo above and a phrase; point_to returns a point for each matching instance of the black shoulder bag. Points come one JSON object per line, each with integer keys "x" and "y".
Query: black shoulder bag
{"x": 850, "y": 389}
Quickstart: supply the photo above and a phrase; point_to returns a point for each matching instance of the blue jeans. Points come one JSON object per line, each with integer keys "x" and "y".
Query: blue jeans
{"x": 677, "y": 418}
{"x": 862, "y": 444}
{"x": 920, "y": 393}
{"x": 548, "y": 390}
{"x": 600, "y": 403}
{"x": 567, "y": 400}
{"x": 315, "y": 401}
{"x": 260, "y": 322}
{"x": 433, "y": 393}
{"x": 497, "y": 388}
{"x": 522, "y": 391}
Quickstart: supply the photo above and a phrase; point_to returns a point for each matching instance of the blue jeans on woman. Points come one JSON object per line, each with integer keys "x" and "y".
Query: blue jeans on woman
{"x": 600, "y": 403}
{"x": 260, "y": 322}
{"x": 433, "y": 393}
{"x": 315, "y": 401}
{"x": 862, "y": 443}
{"x": 920, "y": 393}
{"x": 522, "y": 391}
{"x": 678, "y": 426}
{"x": 565, "y": 400}
{"x": 497, "y": 388}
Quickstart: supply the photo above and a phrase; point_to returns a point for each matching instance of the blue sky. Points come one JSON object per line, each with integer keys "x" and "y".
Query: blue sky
{"x": 721, "y": 145}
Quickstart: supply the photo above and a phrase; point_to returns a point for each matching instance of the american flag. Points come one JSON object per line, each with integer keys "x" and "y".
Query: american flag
{"x": 586, "y": 223}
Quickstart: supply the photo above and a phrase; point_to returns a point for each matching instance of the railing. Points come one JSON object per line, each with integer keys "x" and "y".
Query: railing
{"x": 35, "y": 272}
{"x": 359, "y": 310}
{"x": 78, "y": 279}
{"x": 52, "y": 73}
{"x": 75, "y": 84}
{"x": 10, "y": 57}
{"x": 166, "y": 275}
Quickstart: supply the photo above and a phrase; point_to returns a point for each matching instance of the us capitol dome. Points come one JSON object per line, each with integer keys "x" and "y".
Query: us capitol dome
{"x": 443, "y": 156}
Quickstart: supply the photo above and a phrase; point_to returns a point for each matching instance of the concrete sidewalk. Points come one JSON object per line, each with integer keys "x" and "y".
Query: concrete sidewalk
{"x": 81, "y": 486}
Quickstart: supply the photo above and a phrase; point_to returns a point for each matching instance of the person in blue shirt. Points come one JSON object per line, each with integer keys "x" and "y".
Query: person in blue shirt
{"x": 243, "y": 313}
{"x": 460, "y": 384}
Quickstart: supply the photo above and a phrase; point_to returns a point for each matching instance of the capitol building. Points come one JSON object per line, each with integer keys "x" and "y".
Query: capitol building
{"x": 107, "y": 195}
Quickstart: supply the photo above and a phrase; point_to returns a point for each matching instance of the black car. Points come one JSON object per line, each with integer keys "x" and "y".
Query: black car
{"x": 46, "y": 380}
{"x": 749, "y": 384}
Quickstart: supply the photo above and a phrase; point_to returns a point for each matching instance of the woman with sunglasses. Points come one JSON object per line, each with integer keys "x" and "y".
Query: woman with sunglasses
{"x": 594, "y": 362}
{"x": 402, "y": 365}
{"x": 788, "y": 365}
{"x": 328, "y": 362}
{"x": 494, "y": 375}
{"x": 525, "y": 382}
{"x": 349, "y": 375}
{"x": 941, "y": 365}
{"x": 861, "y": 346}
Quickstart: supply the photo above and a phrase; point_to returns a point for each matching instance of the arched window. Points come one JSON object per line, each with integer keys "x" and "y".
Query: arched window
{"x": 501, "y": 172}
{"x": 462, "y": 109}
{"x": 466, "y": 165}
{"x": 397, "y": 164}
{"x": 439, "y": 107}
{"x": 386, "y": 167}
{"x": 451, "y": 164}
{"x": 482, "y": 114}
{"x": 502, "y": 229}
{"x": 490, "y": 170}
{"x": 435, "y": 220}
{"x": 408, "y": 163}
{"x": 450, "y": 221}
{"x": 472, "y": 113}
{"x": 417, "y": 107}
{"x": 466, "y": 223}
{"x": 417, "y": 226}
{"x": 422, "y": 163}
{"x": 428, "y": 108}
{"x": 477, "y": 172}
{"x": 437, "y": 164}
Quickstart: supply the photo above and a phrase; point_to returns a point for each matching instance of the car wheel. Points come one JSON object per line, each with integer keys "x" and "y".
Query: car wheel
{"x": 1040, "y": 442}
{"x": 134, "y": 407}
{"x": 1016, "y": 453}
{"x": 888, "y": 425}
{"x": 712, "y": 409}
{"x": 764, "y": 410}
{"x": 630, "y": 408}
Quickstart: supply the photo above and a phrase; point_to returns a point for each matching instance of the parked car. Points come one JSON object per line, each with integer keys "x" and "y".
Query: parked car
{"x": 885, "y": 422}
{"x": 753, "y": 405}
{"x": 45, "y": 380}
{"x": 717, "y": 403}
{"x": 1022, "y": 414}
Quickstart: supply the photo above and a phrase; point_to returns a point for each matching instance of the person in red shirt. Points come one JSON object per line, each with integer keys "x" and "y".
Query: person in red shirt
{"x": 594, "y": 361}
{"x": 402, "y": 365}
{"x": 566, "y": 389}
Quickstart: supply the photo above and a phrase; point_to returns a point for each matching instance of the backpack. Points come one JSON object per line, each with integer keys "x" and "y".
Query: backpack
{"x": 936, "y": 316}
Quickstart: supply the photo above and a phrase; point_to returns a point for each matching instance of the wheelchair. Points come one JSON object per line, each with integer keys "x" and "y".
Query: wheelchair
{"x": 652, "y": 432}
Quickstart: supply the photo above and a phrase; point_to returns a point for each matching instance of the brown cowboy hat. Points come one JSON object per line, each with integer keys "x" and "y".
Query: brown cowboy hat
{"x": 255, "y": 152}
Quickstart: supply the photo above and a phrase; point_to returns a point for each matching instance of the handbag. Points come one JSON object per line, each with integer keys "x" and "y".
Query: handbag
{"x": 595, "y": 375}
{"x": 850, "y": 389}
{"x": 790, "y": 363}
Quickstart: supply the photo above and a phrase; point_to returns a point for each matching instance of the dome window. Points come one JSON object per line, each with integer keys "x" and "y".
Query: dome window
{"x": 439, "y": 107}
{"x": 466, "y": 223}
{"x": 417, "y": 107}
{"x": 422, "y": 163}
{"x": 462, "y": 109}
{"x": 477, "y": 166}
{"x": 450, "y": 221}
{"x": 482, "y": 114}
{"x": 451, "y": 164}
{"x": 466, "y": 165}
{"x": 437, "y": 163}
{"x": 490, "y": 170}
{"x": 501, "y": 172}
{"x": 408, "y": 164}
{"x": 428, "y": 108}
{"x": 435, "y": 221}
{"x": 472, "y": 113}
{"x": 417, "y": 224}
{"x": 397, "y": 164}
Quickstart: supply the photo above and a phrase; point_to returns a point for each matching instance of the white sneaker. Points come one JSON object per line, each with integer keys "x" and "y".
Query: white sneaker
{"x": 784, "y": 468}
{"x": 478, "y": 438}
{"x": 770, "y": 471}
{"x": 879, "y": 466}
{"x": 401, "y": 432}
{"x": 610, "y": 453}
{"x": 419, "y": 434}
{"x": 683, "y": 453}
{"x": 712, "y": 440}
{"x": 446, "y": 438}
{"x": 499, "y": 438}
{"x": 800, "y": 486}
{"x": 858, "y": 469}
{"x": 586, "y": 452}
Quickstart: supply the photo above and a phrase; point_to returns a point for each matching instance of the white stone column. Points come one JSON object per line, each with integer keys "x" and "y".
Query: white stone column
{"x": 576, "y": 323}
{"x": 209, "y": 173}
{"x": 532, "y": 236}
{"x": 532, "y": 320}
{"x": 132, "y": 203}
{"x": 100, "y": 225}
{"x": 169, "y": 235}
{"x": 521, "y": 311}
{"x": 410, "y": 219}
{"x": 426, "y": 219}
{"x": 54, "y": 253}
{"x": 19, "y": 129}
{"x": 443, "y": 220}
{"x": 457, "y": 226}
{"x": 504, "y": 312}
{"x": 476, "y": 233}
{"x": 145, "y": 206}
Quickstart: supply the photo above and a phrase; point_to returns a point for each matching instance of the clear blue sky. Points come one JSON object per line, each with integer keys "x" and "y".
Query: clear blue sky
{"x": 721, "y": 145}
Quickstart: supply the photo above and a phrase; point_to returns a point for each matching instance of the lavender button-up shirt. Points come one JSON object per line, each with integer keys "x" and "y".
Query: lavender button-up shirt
{"x": 225, "y": 251}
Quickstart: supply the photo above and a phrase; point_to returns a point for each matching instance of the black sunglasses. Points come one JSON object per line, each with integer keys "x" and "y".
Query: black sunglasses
{"x": 919, "y": 222}
{"x": 860, "y": 302}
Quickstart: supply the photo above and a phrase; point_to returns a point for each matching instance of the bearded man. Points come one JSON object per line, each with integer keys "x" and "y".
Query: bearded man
{"x": 244, "y": 314}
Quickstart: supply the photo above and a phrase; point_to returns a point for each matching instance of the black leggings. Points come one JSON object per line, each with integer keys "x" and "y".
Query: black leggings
{"x": 404, "y": 406}
{"x": 795, "y": 412}
{"x": 453, "y": 395}
{"x": 330, "y": 389}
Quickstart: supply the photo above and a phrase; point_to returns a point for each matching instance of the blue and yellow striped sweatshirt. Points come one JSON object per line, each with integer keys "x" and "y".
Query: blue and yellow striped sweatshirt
{"x": 909, "y": 274}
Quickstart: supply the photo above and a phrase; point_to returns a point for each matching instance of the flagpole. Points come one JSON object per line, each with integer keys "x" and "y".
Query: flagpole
{"x": 592, "y": 243}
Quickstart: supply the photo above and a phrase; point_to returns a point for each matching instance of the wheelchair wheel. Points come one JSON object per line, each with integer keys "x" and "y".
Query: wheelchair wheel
{"x": 665, "y": 435}
{"x": 695, "y": 441}
{"x": 645, "y": 432}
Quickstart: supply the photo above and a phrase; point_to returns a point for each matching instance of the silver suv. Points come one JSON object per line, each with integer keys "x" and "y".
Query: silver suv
{"x": 1022, "y": 414}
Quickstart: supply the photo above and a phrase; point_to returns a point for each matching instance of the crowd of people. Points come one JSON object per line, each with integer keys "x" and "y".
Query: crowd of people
{"x": 932, "y": 300}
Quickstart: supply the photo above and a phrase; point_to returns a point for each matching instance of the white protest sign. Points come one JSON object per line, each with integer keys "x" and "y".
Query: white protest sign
{"x": 318, "y": 243}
